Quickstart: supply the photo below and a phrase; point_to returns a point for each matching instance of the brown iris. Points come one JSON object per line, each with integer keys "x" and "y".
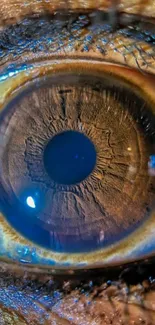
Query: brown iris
{"x": 79, "y": 148}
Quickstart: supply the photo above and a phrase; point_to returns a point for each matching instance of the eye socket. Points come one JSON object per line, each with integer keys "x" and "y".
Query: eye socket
{"x": 97, "y": 218}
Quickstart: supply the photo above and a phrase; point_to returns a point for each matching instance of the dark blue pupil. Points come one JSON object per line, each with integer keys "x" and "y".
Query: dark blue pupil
{"x": 69, "y": 157}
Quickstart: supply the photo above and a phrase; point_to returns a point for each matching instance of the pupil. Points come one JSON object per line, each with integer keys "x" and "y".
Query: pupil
{"x": 69, "y": 157}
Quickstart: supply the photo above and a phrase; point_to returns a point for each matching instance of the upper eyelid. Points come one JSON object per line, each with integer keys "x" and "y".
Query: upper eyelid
{"x": 14, "y": 40}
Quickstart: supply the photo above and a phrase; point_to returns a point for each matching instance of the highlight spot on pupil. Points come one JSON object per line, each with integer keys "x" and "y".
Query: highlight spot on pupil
{"x": 69, "y": 157}
{"x": 31, "y": 202}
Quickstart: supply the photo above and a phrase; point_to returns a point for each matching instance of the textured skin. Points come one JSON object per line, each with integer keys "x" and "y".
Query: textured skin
{"x": 80, "y": 36}
{"x": 116, "y": 297}
{"x": 89, "y": 299}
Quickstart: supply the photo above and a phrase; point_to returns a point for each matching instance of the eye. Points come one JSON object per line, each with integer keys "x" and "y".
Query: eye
{"x": 77, "y": 146}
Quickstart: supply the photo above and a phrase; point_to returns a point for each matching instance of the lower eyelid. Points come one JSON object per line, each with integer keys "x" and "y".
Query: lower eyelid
{"x": 71, "y": 299}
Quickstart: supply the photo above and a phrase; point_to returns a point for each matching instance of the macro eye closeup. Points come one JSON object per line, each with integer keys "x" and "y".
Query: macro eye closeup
{"x": 77, "y": 162}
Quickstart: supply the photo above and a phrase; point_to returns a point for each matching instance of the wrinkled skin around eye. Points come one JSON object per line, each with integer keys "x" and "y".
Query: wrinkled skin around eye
{"x": 123, "y": 296}
{"x": 84, "y": 299}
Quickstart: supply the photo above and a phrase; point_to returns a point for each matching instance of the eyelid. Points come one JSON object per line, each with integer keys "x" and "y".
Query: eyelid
{"x": 131, "y": 45}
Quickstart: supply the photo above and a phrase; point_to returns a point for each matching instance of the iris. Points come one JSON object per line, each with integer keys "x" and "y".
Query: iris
{"x": 76, "y": 176}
